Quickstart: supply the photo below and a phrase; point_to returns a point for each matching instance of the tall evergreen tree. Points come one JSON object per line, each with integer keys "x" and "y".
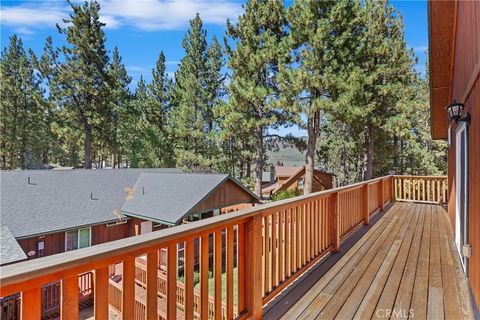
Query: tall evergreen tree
{"x": 323, "y": 36}
{"x": 22, "y": 125}
{"x": 379, "y": 79}
{"x": 194, "y": 93}
{"x": 119, "y": 98}
{"x": 82, "y": 79}
{"x": 254, "y": 61}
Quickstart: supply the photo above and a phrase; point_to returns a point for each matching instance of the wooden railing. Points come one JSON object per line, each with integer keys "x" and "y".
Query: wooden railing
{"x": 275, "y": 243}
{"x": 141, "y": 281}
{"x": 426, "y": 189}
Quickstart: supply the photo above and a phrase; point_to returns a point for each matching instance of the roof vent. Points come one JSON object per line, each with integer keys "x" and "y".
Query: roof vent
{"x": 91, "y": 196}
{"x": 30, "y": 182}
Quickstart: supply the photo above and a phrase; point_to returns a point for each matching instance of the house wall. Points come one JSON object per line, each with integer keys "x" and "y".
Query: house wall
{"x": 55, "y": 242}
{"x": 227, "y": 195}
{"x": 466, "y": 89}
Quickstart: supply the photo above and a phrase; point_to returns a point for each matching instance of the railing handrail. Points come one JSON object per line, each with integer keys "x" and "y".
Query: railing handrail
{"x": 106, "y": 253}
{"x": 419, "y": 177}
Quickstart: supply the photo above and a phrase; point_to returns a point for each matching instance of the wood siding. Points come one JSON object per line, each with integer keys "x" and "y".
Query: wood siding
{"x": 226, "y": 195}
{"x": 466, "y": 89}
{"x": 55, "y": 242}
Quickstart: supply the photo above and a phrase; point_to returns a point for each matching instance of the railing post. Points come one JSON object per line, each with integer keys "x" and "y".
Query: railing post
{"x": 253, "y": 267}
{"x": 100, "y": 291}
{"x": 381, "y": 196}
{"x": 32, "y": 304}
{"x": 335, "y": 228}
{"x": 151, "y": 281}
{"x": 128, "y": 290}
{"x": 69, "y": 307}
{"x": 366, "y": 198}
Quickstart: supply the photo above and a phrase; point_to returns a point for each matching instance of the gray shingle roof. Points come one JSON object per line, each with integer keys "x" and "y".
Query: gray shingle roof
{"x": 10, "y": 250}
{"x": 168, "y": 198}
{"x": 59, "y": 200}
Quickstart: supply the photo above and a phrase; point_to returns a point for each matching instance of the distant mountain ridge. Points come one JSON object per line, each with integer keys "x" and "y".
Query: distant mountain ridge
{"x": 289, "y": 155}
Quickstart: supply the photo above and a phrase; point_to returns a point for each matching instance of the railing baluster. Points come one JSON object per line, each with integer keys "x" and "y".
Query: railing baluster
{"x": 266, "y": 252}
{"x": 101, "y": 293}
{"x": 172, "y": 281}
{"x": 288, "y": 244}
{"x": 240, "y": 266}
{"x": 281, "y": 258}
{"x": 217, "y": 273}
{"x": 151, "y": 282}
{"x": 204, "y": 259}
{"x": 298, "y": 240}
{"x": 188, "y": 265}
{"x": 273, "y": 271}
{"x": 229, "y": 267}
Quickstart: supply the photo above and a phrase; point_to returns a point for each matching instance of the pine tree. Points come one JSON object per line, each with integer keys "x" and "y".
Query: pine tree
{"x": 383, "y": 72}
{"x": 119, "y": 97}
{"x": 22, "y": 125}
{"x": 193, "y": 98}
{"x": 160, "y": 94}
{"x": 323, "y": 35}
{"x": 82, "y": 79}
{"x": 252, "y": 108}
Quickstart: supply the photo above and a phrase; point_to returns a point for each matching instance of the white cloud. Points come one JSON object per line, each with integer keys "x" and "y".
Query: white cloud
{"x": 27, "y": 16}
{"x": 145, "y": 15}
{"x": 152, "y": 15}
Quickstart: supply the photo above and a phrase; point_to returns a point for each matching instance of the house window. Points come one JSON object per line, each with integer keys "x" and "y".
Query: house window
{"x": 40, "y": 248}
{"x": 77, "y": 239}
{"x": 300, "y": 183}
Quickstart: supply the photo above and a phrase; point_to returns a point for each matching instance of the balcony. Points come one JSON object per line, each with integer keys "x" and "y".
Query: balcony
{"x": 380, "y": 245}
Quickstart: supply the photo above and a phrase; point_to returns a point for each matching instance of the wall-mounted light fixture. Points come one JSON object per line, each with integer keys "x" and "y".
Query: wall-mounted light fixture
{"x": 455, "y": 111}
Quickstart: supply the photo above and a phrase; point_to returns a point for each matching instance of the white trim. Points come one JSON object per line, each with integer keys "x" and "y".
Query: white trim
{"x": 460, "y": 235}
{"x": 116, "y": 223}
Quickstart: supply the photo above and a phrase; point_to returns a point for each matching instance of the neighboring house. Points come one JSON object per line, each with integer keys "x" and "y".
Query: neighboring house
{"x": 47, "y": 212}
{"x": 283, "y": 178}
{"x": 454, "y": 30}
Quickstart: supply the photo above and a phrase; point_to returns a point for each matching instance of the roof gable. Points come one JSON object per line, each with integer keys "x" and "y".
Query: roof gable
{"x": 169, "y": 198}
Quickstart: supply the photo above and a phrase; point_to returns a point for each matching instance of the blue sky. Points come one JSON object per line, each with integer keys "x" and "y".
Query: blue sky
{"x": 142, "y": 28}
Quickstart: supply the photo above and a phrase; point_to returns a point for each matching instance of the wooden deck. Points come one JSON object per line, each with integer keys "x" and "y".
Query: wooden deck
{"x": 405, "y": 266}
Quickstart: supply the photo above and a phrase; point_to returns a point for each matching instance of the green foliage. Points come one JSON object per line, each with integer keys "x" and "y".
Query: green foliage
{"x": 252, "y": 108}
{"x": 23, "y": 137}
{"x": 286, "y": 194}
{"x": 196, "y": 92}
{"x": 340, "y": 70}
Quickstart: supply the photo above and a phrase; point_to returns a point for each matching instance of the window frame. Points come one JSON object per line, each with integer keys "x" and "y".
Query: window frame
{"x": 78, "y": 238}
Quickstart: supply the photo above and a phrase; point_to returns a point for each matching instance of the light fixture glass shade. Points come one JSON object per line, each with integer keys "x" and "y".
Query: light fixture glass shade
{"x": 455, "y": 110}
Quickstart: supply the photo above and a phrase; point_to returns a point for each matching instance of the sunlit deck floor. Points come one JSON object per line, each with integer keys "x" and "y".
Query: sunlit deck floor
{"x": 406, "y": 265}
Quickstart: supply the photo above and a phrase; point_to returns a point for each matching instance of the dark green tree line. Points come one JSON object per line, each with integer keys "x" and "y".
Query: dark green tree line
{"x": 341, "y": 70}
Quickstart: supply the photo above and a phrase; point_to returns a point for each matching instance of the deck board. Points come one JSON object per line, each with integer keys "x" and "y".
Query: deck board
{"x": 406, "y": 265}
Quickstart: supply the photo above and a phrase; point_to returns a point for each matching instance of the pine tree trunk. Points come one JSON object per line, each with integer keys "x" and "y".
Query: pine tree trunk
{"x": 369, "y": 169}
{"x": 88, "y": 141}
{"x": 258, "y": 160}
{"x": 313, "y": 127}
